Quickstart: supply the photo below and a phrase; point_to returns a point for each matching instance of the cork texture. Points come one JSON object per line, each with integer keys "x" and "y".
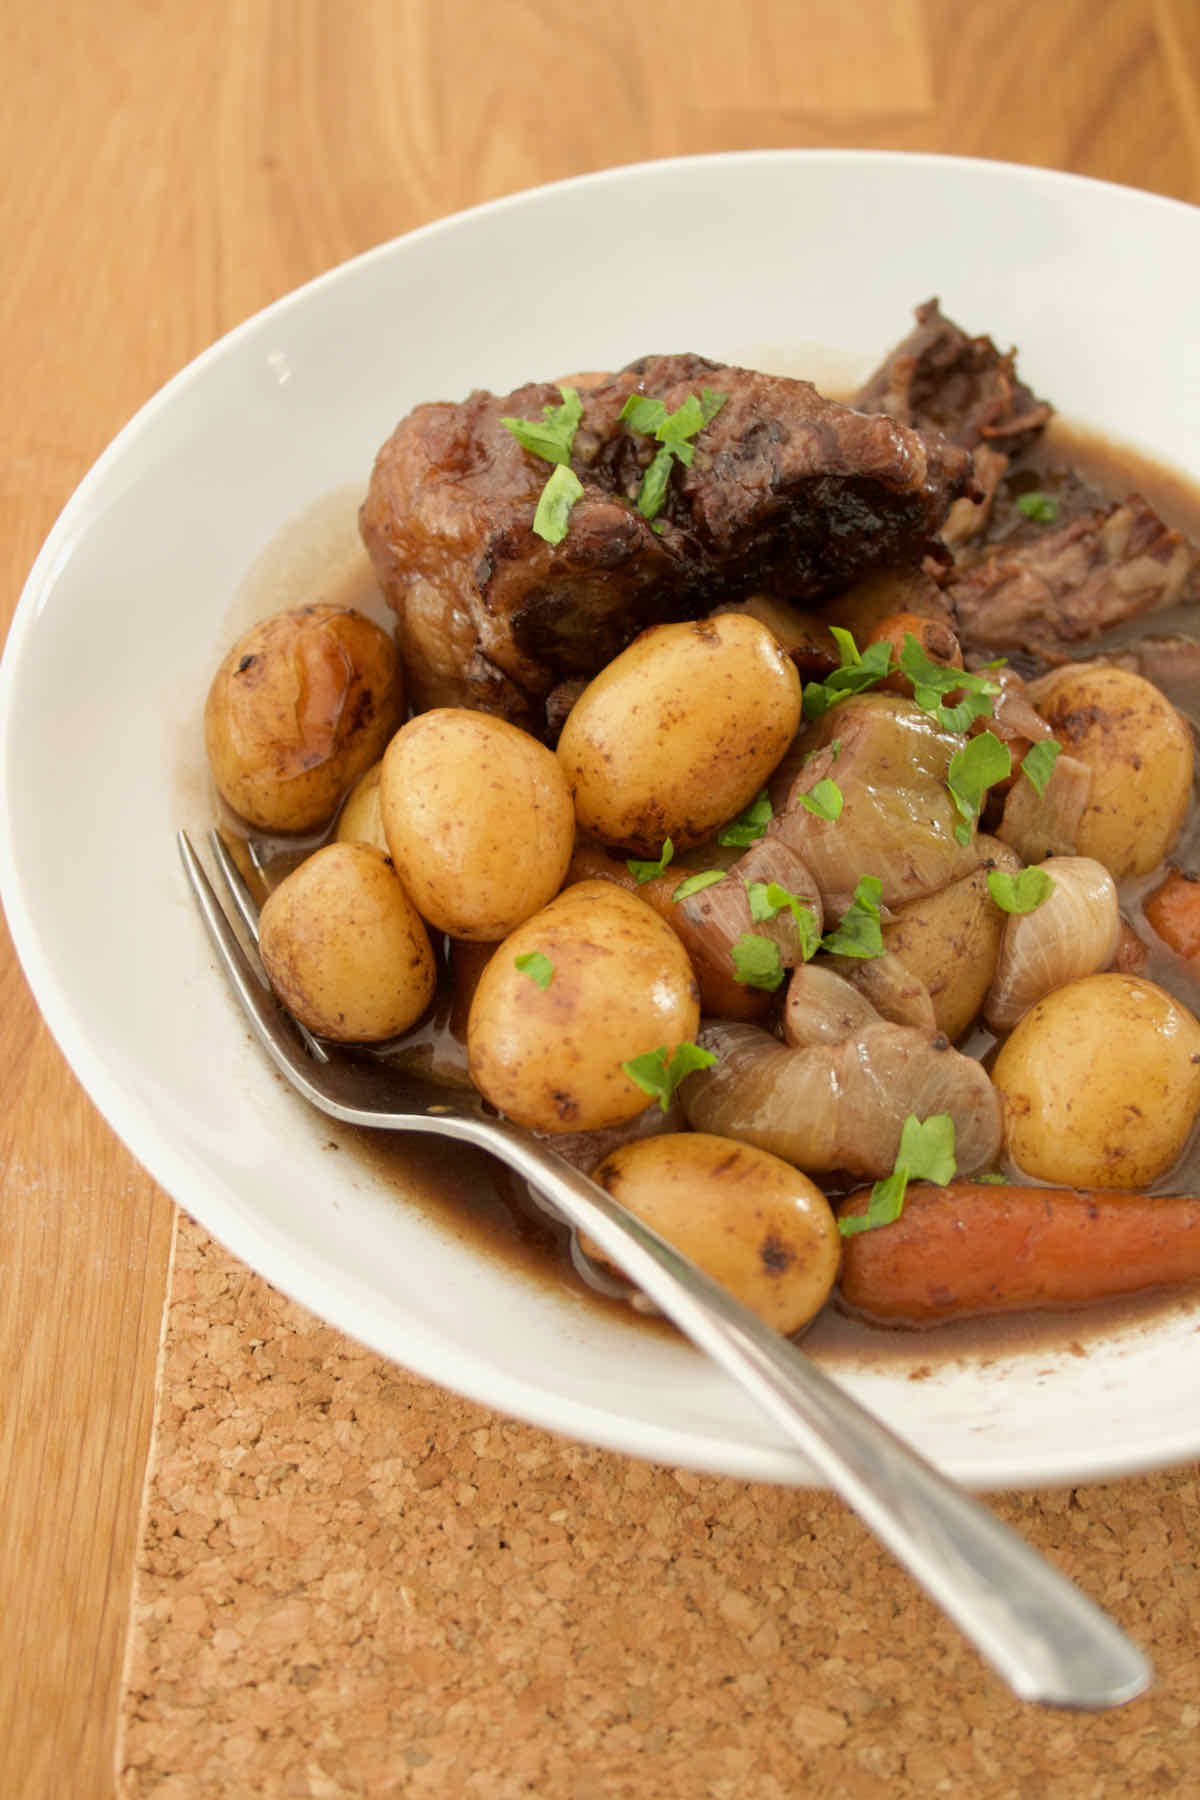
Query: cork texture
{"x": 352, "y": 1584}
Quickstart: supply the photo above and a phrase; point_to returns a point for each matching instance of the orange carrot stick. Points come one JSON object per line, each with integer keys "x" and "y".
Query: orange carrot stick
{"x": 976, "y": 1247}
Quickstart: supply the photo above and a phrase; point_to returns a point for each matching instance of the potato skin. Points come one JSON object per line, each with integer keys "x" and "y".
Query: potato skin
{"x": 345, "y": 948}
{"x": 748, "y": 1219}
{"x": 679, "y": 732}
{"x": 622, "y": 986}
{"x": 1100, "y": 1083}
{"x": 301, "y": 706}
{"x": 359, "y": 821}
{"x": 1140, "y": 753}
{"x": 478, "y": 821}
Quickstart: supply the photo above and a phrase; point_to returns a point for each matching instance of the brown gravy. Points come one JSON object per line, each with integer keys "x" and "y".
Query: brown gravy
{"x": 469, "y": 1197}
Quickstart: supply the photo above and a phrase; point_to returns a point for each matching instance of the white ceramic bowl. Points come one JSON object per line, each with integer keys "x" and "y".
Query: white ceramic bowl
{"x": 772, "y": 258}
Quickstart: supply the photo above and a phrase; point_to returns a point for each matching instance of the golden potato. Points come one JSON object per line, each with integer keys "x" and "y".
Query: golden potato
{"x": 950, "y": 940}
{"x": 359, "y": 821}
{"x": 301, "y": 706}
{"x": 478, "y": 820}
{"x": 748, "y": 1219}
{"x": 1100, "y": 1083}
{"x": 679, "y": 732}
{"x": 345, "y": 948}
{"x": 592, "y": 981}
{"x": 1139, "y": 751}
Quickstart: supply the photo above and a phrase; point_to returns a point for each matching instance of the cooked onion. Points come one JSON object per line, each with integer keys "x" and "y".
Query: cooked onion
{"x": 822, "y": 1007}
{"x": 1074, "y": 932}
{"x": 841, "y": 1106}
{"x": 890, "y": 762}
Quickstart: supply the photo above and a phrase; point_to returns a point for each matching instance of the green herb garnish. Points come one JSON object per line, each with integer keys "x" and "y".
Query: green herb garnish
{"x": 926, "y": 1153}
{"x": 1041, "y": 508}
{"x": 757, "y": 962}
{"x": 749, "y": 825}
{"x": 824, "y": 799}
{"x": 932, "y": 681}
{"x": 552, "y": 437}
{"x": 859, "y": 931}
{"x": 658, "y": 1073}
{"x": 768, "y": 899}
{"x": 674, "y": 432}
{"x": 539, "y": 968}
{"x": 1023, "y": 892}
{"x": 856, "y": 673}
{"x": 554, "y": 505}
{"x": 650, "y": 871}
{"x": 1039, "y": 760}
{"x": 692, "y": 884}
{"x": 981, "y": 762}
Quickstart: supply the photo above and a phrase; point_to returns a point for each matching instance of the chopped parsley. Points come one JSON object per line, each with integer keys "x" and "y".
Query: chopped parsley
{"x": 768, "y": 899}
{"x": 933, "y": 681}
{"x": 749, "y": 825}
{"x": 856, "y": 673}
{"x": 538, "y": 967}
{"x": 674, "y": 432}
{"x": 757, "y": 962}
{"x": 1023, "y": 892}
{"x": 552, "y": 437}
{"x": 650, "y": 871}
{"x": 824, "y": 799}
{"x": 859, "y": 931}
{"x": 659, "y": 1072}
{"x": 926, "y": 1153}
{"x": 1041, "y": 508}
{"x": 1039, "y": 760}
{"x": 693, "y": 884}
{"x": 978, "y": 766}
{"x": 553, "y": 513}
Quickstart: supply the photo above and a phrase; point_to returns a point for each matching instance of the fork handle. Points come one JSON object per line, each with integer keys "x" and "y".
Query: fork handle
{"x": 1040, "y": 1632}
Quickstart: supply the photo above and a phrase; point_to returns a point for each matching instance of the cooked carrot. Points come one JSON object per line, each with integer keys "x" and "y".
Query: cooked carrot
{"x": 975, "y": 1247}
{"x": 935, "y": 637}
{"x": 1174, "y": 911}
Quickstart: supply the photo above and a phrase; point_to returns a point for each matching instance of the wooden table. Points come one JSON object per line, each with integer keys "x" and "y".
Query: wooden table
{"x": 171, "y": 168}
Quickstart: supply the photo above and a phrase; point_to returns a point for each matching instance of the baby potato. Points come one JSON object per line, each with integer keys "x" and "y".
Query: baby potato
{"x": 359, "y": 821}
{"x": 1139, "y": 752}
{"x": 679, "y": 732}
{"x": 592, "y": 981}
{"x": 1100, "y": 1083}
{"x": 301, "y": 706}
{"x": 345, "y": 948}
{"x": 747, "y": 1218}
{"x": 478, "y": 820}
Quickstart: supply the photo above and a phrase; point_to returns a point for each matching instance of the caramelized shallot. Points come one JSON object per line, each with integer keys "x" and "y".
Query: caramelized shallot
{"x": 1073, "y": 932}
{"x": 841, "y": 1106}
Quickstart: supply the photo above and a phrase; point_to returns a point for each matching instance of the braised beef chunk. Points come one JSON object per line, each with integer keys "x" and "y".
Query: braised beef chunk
{"x": 1051, "y": 591}
{"x": 940, "y": 379}
{"x": 787, "y": 491}
{"x": 1042, "y": 563}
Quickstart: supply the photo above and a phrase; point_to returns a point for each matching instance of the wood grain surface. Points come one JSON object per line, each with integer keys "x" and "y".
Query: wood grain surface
{"x": 172, "y": 166}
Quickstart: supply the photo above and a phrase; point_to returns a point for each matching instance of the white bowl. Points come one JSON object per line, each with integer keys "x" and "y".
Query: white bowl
{"x": 808, "y": 261}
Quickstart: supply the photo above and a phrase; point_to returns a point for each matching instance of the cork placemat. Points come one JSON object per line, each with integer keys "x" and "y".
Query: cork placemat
{"x": 351, "y": 1584}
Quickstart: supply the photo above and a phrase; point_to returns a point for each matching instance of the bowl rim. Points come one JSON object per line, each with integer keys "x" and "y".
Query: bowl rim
{"x": 175, "y": 1171}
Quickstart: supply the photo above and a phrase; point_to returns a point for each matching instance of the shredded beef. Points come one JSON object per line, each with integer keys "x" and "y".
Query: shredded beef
{"x": 1049, "y": 593}
{"x": 940, "y": 379}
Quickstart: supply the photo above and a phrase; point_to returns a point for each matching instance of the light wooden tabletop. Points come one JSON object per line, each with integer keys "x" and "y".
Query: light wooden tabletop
{"x": 169, "y": 170}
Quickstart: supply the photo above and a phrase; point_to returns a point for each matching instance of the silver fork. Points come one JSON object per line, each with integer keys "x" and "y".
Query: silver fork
{"x": 1039, "y": 1632}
